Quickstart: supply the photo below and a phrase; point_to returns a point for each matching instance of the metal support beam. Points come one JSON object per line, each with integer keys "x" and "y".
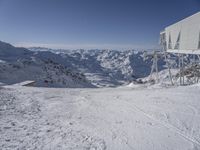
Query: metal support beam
{"x": 169, "y": 68}
{"x": 155, "y": 66}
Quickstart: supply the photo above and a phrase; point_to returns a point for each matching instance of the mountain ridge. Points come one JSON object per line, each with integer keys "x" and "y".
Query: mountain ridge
{"x": 100, "y": 67}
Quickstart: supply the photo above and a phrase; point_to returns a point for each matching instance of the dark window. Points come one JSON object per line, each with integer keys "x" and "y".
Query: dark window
{"x": 177, "y": 46}
{"x": 170, "y": 42}
{"x": 163, "y": 40}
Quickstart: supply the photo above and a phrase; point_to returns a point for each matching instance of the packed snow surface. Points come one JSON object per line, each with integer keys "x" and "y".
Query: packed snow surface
{"x": 134, "y": 117}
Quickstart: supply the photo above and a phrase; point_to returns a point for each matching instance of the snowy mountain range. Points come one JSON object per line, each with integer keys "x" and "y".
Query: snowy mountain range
{"x": 20, "y": 64}
{"x": 73, "y": 68}
{"x": 107, "y": 67}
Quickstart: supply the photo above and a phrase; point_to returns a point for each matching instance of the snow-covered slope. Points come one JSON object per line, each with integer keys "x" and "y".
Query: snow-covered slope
{"x": 46, "y": 74}
{"x": 20, "y": 64}
{"x": 101, "y": 119}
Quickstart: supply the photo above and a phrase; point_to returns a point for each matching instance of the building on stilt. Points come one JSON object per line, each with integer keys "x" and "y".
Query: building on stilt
{"x": 182, "y": 39}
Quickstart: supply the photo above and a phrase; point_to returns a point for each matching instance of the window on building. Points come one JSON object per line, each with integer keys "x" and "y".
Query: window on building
{"x": 170, "y": 42}
{"x": 177, "y": 46}
{"x": 163, "y": 40}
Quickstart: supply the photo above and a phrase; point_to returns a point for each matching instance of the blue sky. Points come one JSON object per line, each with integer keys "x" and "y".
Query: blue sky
{"x": 73, "y": 24}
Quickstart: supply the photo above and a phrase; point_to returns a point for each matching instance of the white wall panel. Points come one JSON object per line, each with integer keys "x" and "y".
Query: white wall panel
{"x": 189, "y": 39}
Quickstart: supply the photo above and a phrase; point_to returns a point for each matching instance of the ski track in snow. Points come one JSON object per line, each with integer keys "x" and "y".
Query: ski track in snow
{"x": 169, "y": 126}
{"x": 107, "y": 118}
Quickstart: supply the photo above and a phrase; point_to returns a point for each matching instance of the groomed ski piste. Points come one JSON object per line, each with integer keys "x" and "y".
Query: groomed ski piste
{"x": 134, "y": 117}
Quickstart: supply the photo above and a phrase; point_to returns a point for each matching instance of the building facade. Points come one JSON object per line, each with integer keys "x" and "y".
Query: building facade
{"x": 183, "y": 36}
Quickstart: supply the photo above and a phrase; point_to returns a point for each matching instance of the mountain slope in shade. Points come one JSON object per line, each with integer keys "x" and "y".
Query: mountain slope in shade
{"x": 11, "y": 53}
